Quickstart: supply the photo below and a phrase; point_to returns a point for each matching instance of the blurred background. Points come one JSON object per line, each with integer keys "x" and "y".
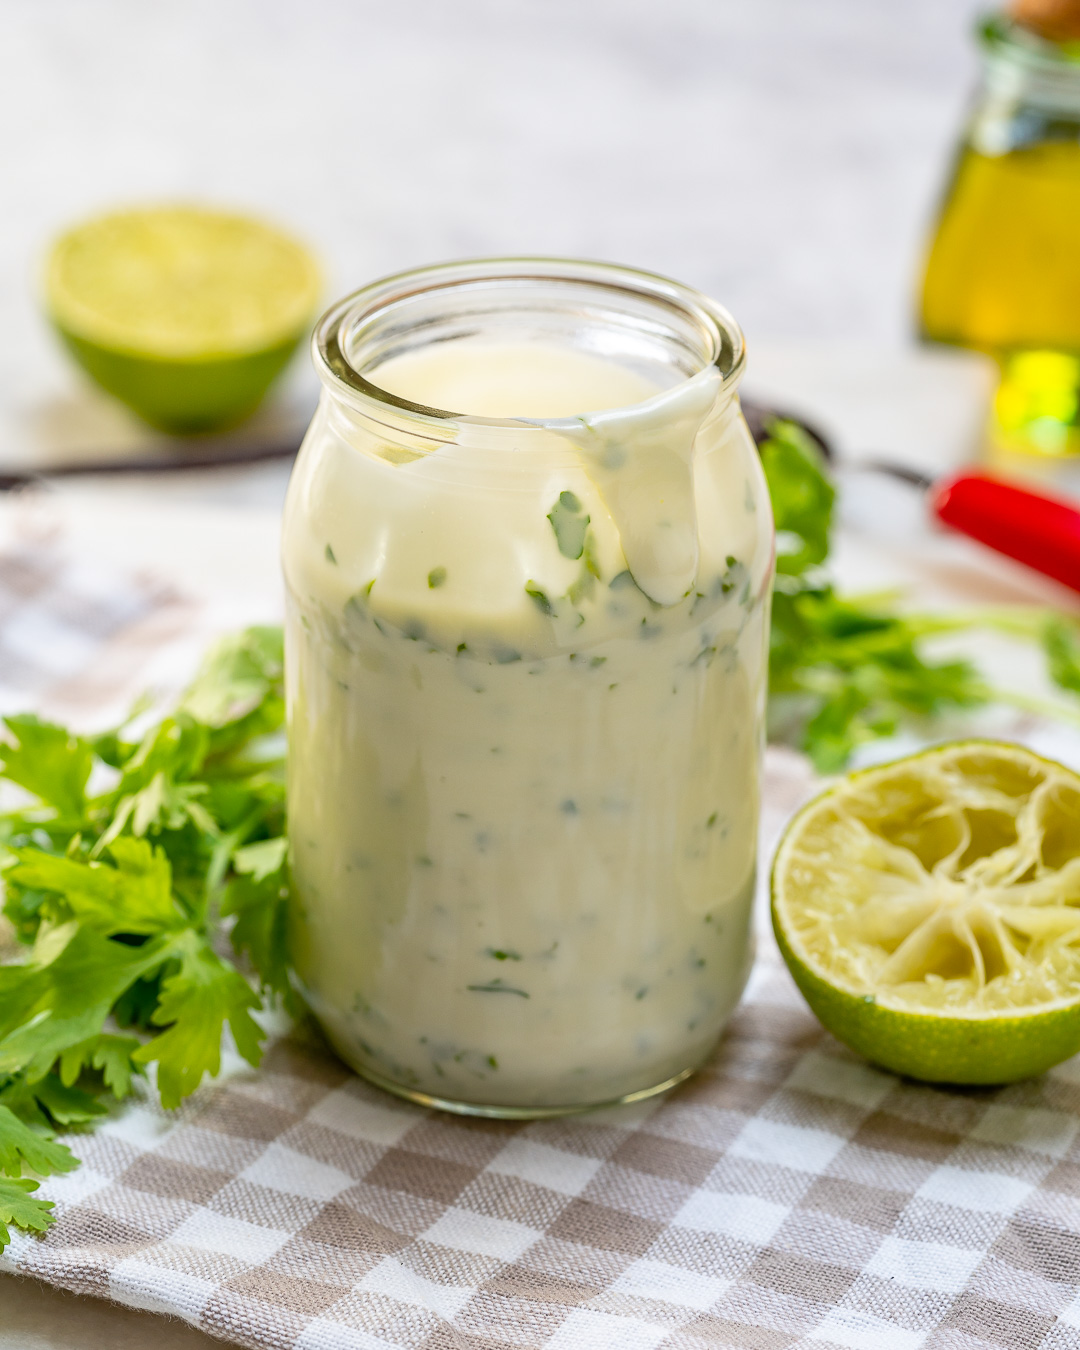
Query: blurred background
{"x": 785, "y": 157}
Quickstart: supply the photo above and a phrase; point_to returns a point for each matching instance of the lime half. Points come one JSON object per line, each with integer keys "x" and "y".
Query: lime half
{"x": 185, "y": 314}
{"x": 929, "y": 911}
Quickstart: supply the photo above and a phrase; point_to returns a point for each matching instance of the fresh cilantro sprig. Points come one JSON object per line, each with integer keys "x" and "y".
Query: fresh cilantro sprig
{"x": 125, "y": 862}
{"x": 1061, "y": 640}
{"x": 845, "y": 670}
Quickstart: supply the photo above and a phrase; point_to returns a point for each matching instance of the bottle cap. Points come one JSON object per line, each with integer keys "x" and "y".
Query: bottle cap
{"x": 1055, "y": 20}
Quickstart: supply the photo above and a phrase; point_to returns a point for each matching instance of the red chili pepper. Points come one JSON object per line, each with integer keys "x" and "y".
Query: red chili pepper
{"x": 1043, "y": 532}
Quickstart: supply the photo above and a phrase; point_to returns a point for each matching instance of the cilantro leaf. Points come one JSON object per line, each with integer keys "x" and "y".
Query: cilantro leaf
{"x": 16, "y": 1207}
{"x": 239, "y": 693}
{"x": 1061, "y": 642}
{"x": 23, "y": 910}
{"x": 21, "y": 1099}
{"x": 48, "y": 1006}
{"x": 131, "y": 895}
{"x": 841, "y": 671}
{"x": 241, "y": 671}
{"x": 21, "y": 1147}
{"x": 802, "y": 497}
{"x": 49, "y": 762}
{"x": 259, "y": 860}
{"x": 195, "y": 1005}
{"x": 135, "y": 1006}
{"x": 66, "y": 1105}
{"x": 260, "y": 903}
{"x": 154, "y": 792}
{"x": 109, "y": 1054}
{"x": 46, "y": 1103}
{"x": 854, "y": 672}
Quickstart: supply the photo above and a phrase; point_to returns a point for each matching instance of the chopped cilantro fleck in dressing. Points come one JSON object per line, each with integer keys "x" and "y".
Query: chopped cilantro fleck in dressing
{"x": 570, "y": 525}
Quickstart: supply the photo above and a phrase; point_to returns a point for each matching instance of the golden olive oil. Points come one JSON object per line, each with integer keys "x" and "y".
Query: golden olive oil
{"x": 1003, "y": 276}
{"x": 1003, "y": 270}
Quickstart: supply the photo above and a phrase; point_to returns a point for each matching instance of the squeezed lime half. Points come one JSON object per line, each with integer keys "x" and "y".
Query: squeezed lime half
{"x": 185, "y": 314}
{"x": 929, "y": 910}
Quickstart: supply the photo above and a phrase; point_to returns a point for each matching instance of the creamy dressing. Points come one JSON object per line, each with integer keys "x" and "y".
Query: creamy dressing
{"x": 526, "y": 692}
{"x": 511, "y": 379}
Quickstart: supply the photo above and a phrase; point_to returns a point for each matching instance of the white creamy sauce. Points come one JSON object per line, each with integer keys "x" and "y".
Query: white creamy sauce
{"x": 511, "y": 379}
{"x": 526, "y": 692}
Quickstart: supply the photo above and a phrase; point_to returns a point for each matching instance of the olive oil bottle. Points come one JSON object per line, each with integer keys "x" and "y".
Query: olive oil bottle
{"x": 1003, "y": 270}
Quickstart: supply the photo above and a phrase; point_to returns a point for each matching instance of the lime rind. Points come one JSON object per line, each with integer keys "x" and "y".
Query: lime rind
{"x": 976, "y": 1051}
{"x": 930, "y": 912}
{"x": 185, "y": 397}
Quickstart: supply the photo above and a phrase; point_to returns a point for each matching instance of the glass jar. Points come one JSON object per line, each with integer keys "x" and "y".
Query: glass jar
{"x": 526, "y": 667}
{"x": 1003, "y": 271}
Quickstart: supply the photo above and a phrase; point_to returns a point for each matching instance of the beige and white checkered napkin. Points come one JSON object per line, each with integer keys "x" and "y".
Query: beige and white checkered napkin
{"x": 788, "y": 1196}
{"x": 77, "y": 636}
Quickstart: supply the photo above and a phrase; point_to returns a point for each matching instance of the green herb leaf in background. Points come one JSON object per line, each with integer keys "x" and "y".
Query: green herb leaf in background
{"x": 841, "y": 671}
{"x": 1061, "y": 641}
{"x": 802, "y": 498}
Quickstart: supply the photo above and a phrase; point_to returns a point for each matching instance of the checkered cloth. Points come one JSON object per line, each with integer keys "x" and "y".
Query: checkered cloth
{"x": 74, "y": 635}
{"x": 788, "y": 1196}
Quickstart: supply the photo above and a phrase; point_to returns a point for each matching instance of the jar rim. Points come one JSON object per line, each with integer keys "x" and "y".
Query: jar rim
{"x": 726, "y": 353}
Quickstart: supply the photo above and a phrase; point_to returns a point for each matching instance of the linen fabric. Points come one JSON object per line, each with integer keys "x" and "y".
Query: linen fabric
{"x": 789, "y": 1195}
{"x": 69, "y": 629}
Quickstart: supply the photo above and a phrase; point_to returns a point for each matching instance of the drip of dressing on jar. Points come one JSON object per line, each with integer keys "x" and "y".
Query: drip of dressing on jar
{"x": 638, "y": 450}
